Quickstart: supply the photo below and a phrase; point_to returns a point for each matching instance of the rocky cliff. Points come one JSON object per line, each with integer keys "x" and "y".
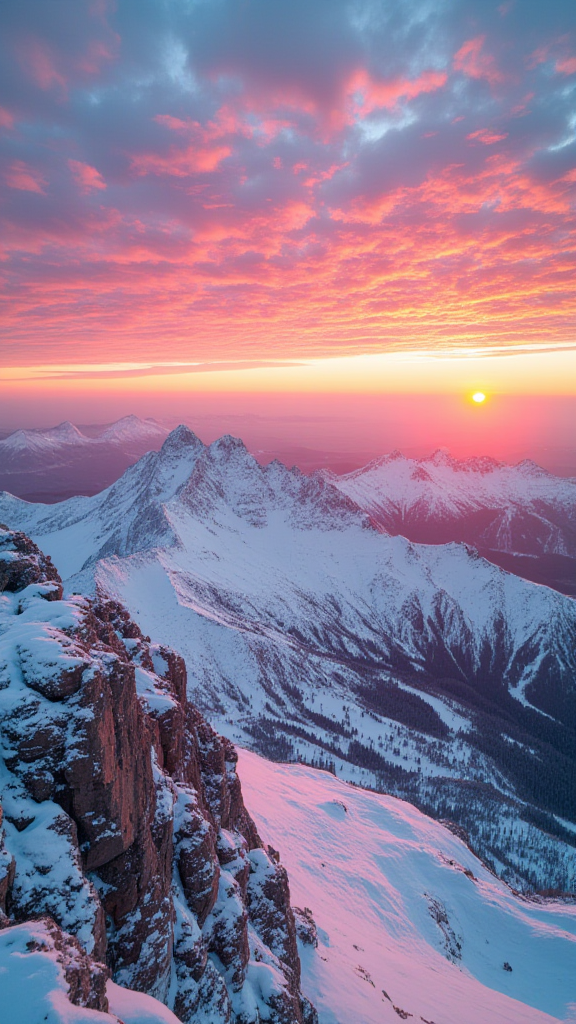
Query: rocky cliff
{"x": 123, "y": 819}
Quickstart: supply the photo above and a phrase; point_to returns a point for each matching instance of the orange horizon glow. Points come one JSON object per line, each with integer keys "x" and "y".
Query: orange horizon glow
{"x": 537, "y": 371}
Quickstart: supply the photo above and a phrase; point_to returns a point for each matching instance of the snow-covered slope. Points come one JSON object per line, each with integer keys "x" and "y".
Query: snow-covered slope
{"x": 520, "y": 508}
{"x": 62, "y": 460}
{"x": 307, "y": 632}
{"x": 409, "y": 923}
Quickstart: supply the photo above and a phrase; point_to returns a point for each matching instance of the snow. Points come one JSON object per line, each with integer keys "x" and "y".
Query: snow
{"x": 132, "y": 428}
{"x": 377, "y": 874}
{"x": 137, "y": 1007}
{"x": 126, "y": 430}
{"x": 33, "y": 987}
{"x": 32, "y": 984}
{"x": 446, "y": 484}
{"x": 395, "y": 490}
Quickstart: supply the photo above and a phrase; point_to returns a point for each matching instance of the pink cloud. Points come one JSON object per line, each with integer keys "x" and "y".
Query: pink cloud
{"x": 487, "y": 137}
{"x": 320, "y": 176}
{"x": 179, "y": 163}
{"x": 539, "y": 56}
{"x": 6, "y": 118}
{"x": 21, "y": 176}
{"x": 228, "y": 121}
{"x": 369, "y": 94}
{"x": 39, "y": 61}
{"x": 522, "y": 107}
{"x": 97, "y": 54}
{"x": 87, "y": 178}
{"x": 566, "y": 66}
{"x": 176, "y": 124}
{"x": 476, "y": 64}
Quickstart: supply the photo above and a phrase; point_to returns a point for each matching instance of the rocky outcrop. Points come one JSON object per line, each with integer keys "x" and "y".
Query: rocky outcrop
{"x": 22, "y": 563}
{"x": 124, "y": 819}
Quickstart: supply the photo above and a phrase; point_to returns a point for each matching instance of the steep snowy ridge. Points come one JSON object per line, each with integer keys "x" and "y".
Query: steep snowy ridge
{"x": 309, "y": 633}
{"x": 520, "y": 508}
{"x": 124, "y": 825}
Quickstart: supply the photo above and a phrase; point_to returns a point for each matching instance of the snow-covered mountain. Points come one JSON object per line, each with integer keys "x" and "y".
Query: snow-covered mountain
{"x": 127, "y": 853}
{"x": 61, "y": 461}
{"x": 520, "y": 508}
{"x": 307, "y": 632}
{"x": 521, "y": 512}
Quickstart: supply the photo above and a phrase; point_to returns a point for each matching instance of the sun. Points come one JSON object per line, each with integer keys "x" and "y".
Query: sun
{"x": 479, "y": 397}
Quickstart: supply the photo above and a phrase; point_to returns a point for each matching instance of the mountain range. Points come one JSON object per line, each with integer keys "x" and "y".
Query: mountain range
{"x": 311, "y": 634}
{"x": 520, "y": 517}
{"x": 57, "y": 462}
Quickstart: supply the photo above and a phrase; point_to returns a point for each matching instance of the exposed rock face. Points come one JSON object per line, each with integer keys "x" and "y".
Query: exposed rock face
{"x": 124, "y": 819}
{"x": 22, "y": 563}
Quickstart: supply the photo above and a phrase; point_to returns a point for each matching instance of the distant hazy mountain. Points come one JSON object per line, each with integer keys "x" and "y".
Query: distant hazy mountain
{"x": 521, "y": 517}
{"x": 310, "y": 633}
{"x": 58, "y": 462}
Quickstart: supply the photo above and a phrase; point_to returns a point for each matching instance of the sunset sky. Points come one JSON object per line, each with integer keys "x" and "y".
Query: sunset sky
{"x": 299, "y": 196}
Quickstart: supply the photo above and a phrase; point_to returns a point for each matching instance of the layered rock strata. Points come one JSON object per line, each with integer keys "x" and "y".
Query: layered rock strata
{"x": 124, "y": 822}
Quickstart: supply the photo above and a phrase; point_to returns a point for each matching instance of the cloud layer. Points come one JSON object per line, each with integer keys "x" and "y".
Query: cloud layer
{"x": 215, "y": 179}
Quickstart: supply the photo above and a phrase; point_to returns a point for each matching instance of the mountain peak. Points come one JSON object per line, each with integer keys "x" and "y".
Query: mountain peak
{"x": 179, "y": 439}
{"x": 530, "y": 468}
{"x": 228, "y": 445}
{"x": 441, "y": 457}
{"x": 65, "y": 431}
{"x": 132, "y": 428}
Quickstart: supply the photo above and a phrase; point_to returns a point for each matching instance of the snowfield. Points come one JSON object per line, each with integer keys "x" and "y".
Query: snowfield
{"x": 410, "y": 924}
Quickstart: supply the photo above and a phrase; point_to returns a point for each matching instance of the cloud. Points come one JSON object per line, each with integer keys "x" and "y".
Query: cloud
{"x": 473, "y": 60}
{"x": 87, "y": 178}
{"x": 180, "y": 163}
{"x": 6, "y": 118}
{"x": 368, "y": 94}
{"x": 566, "y": 66}
{"x": 487, "y": 137}
{"x": 273, "y": 180}
{"x": 21, "y": 176}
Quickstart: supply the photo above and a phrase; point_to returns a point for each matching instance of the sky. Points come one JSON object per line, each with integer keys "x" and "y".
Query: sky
{"x": 215, "y": 197}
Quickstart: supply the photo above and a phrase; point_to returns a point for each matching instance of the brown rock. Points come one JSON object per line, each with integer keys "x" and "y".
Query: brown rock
{"x": 152, "y": 807}
{"x": 196, "y": 857}
{"x": 271, "y": 912}
{"x": 22, "y": 563}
